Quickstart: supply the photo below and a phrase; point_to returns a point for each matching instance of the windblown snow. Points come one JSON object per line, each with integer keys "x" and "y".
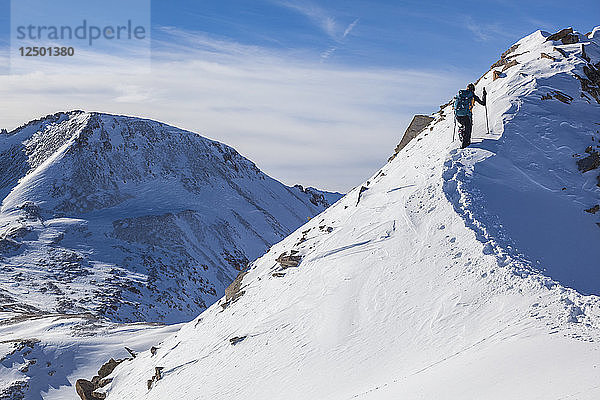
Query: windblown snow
{"x": 450, "y": 274}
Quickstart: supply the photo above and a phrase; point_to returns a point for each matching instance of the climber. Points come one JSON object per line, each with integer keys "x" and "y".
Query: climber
{"x": 463, "y": 106}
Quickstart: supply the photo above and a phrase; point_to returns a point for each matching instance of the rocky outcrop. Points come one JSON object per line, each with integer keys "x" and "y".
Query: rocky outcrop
{"x": 317, "y": 197}
{"x": 589, "y": 163}
{"x": 509, "y": 65}
{"x": 590, "y": 83}
{"x": 593, "y": 210}
{"x": 506, "y": 60}
{"x": 234, "y": 291}
{"x": 156, "y": 377}
{"x": 237, "y": 339}
{"x": 87, "y": 390}
{"x": 566, "y": 36}
{"x": 84, "y": 389}
{"x": 417, "y": 125}
{"x": 289, "y": 260}
{"x": 505, "y": 57}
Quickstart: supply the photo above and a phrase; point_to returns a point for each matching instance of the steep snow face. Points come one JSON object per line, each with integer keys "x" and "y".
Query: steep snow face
{"x": 410, "y": 286}
{"x": 132, "y": 219}
{"x": 520, "y": 188}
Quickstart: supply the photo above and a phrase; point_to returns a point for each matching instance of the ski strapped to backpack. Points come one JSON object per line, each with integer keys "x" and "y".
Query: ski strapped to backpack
{"x": 463, "y": 103}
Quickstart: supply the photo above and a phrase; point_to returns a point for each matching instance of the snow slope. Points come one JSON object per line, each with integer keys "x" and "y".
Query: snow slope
{"x": 41, "y": 358}
{"x": 131, "y": 219}
{"x": 454, "y": 274}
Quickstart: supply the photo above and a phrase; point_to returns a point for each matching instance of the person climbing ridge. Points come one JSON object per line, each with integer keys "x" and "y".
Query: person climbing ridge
{"x": 463, "y": 112}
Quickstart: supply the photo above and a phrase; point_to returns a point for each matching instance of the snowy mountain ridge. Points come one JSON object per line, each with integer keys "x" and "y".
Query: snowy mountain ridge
{"x": 131, "y": 219}
{"x": 449, "y": 274}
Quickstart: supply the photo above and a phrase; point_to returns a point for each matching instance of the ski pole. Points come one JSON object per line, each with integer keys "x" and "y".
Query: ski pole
{"x": 454, "y": 131}
{"x": 487, "y": 123}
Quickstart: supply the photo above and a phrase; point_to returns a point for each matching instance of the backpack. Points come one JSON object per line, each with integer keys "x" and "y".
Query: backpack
{"x": 463, "y": 102}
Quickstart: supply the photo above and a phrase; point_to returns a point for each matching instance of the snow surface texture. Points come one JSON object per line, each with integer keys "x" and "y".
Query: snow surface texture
{"x": 422, "y": 283}
{"x": 132, "y": 219}
{"x": 42, "y": 358}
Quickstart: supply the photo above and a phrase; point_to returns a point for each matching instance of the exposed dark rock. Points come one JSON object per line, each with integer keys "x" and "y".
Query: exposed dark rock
{"x": 233, "y": 292}
{"x": 87, "y": 389}
{"x": 498, "y": 74}
{"x": 561, "y": 51}
{"x": 156, "y": 377}
{"x": 509, "y": 64}
{"x": 316, "y": 198}
{"x": 589, "y": 163}
{"x": 278, "y": 274}
{"x": 591, "y": 82}
{"x": 417, "y": 125}
{"x": 565, "y": 98}
{"x": 153, "y": 350}
{"x": 360, "y": 192}
{"x": 560, "y": 34}
{"x": 131, "y": 352}
{"x": 237, "y": 339}
{"x": 15, "y": 391}
{"x": 99, "y": 395}
{"x": 584, "y": 54}
{"x": 237, "y": 260}
{"x": 570, "y": 39}
{"x": 104, "y": 382}
{"x": 593, "y": 210}
{"x": 510, "y": 50}
{"x": 504, "y": 58}
{"x": 108, "y": 367}
{"x": 84, "y": 389}
{"x": 289, "y": 260}
{"x": 548, "y": 56}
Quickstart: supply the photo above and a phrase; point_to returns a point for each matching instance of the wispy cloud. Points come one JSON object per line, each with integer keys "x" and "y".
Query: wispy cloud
{"x": 284, "y": 113}
{"x": 321, "y": 18}
{"x": 325, "y": 21}
{"x": 315, "y": 14}
{"x": 485, "y": 32}
{"x": 350, "y": 27}
{"x": 328, "y": 53}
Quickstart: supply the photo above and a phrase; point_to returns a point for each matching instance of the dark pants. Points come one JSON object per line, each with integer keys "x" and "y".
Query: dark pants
{"x": 464, "y": 132}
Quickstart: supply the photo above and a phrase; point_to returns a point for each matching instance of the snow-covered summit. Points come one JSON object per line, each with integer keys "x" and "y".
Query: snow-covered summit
{"x": 454, "y": 274}
{"x": 132, "y": 219}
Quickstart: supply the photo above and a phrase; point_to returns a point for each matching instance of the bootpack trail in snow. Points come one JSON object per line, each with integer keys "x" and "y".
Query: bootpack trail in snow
{"x": 455, "y": 274}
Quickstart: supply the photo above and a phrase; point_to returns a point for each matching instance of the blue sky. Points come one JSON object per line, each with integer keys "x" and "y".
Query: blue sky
{"x": 314, "y": 92}
{"x": 411, "y": 34}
